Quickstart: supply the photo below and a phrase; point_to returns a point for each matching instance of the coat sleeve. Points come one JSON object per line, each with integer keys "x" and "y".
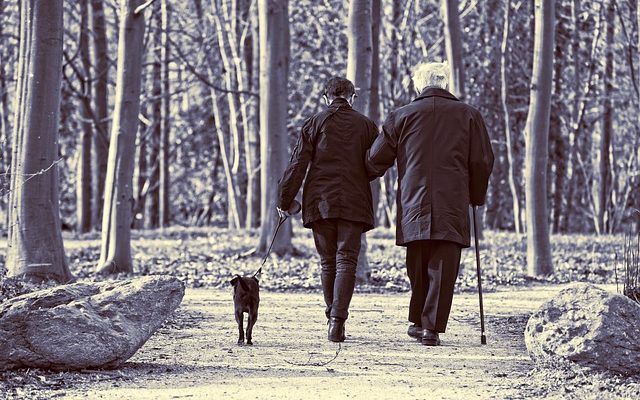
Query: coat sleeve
{"x": 382, "y": 153}
{"x": 480, "y": 161}
{"x": 297, "y": 169}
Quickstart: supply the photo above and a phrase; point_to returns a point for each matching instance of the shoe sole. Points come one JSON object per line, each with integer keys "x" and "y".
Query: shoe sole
{"x": 430, "y": 342}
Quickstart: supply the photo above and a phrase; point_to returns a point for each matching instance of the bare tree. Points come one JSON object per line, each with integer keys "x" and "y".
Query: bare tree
{"x": 274, "y": 74}
{"x": 35, "y": 248}
{"x": 504, "y": 90}
{"x": 453, "y": 45}
{"x": 537, "y": 138}
{"x": 115, "y": 252}
{"x": 100, "y": 60}
{"x": 359, "y": 65}
{"x": 374, "y": 99}
{"x": 156, "y": 110}
{"x": 165, "y": 144}
{"x": 83, "y": 177}
{"x": 252, "y": 136}
{"x": 225, "y": 19}
{"x": 605, "y": 188}
{"x": 5, "y": 145}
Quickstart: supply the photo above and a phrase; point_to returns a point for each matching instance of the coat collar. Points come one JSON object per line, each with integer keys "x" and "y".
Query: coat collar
{"x": 339, "y": 102}
{"x": 435, "y": 91}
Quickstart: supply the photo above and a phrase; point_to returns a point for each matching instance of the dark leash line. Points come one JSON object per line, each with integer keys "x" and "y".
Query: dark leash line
{"x": 281, "y": 220}
{"x": 483, "y": 338}
{"x": 293, "y": 209}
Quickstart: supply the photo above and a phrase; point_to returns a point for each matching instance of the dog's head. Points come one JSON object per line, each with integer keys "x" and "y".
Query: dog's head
{"x": 237, "y": 280}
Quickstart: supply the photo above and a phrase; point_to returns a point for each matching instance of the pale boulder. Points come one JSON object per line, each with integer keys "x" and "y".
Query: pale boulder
{"x": 85, "y": 325}
{"x": 588, "y": 326}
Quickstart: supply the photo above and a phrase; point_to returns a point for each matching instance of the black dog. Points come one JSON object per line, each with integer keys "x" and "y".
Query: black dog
{"x": 246, "y": 298}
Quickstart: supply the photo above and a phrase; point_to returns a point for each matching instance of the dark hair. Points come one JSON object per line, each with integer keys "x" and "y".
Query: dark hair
{"x": 337, "y": 86}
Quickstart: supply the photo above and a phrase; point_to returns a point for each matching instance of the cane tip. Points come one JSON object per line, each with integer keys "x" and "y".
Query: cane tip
{"x": 483, "y": 339}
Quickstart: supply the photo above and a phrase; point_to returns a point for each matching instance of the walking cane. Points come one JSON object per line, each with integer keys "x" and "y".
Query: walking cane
{"x": 483, "y": 339}
{"x": 294, "y": 209}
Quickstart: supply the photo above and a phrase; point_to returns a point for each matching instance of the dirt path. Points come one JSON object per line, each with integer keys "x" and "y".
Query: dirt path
{"x": 195, "y": 356}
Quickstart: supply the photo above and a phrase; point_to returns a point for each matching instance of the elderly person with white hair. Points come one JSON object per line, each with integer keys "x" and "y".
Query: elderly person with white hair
{"x": 444, "y": 162}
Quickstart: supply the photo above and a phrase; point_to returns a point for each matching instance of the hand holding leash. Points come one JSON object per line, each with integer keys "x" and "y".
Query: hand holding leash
{"x": 294, "y": 208}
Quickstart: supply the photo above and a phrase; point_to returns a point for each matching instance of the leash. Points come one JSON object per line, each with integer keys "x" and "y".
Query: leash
{"x": 281, "y": 220}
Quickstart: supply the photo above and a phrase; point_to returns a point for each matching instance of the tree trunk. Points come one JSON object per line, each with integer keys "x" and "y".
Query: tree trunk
{"x": 35, "y": 247}
{"x": 252, "y": 138}
{"x": 83, "y": 176}
{"x": 572, "y": 175}
{"x": 101, "y": 109}
{"x": 374, "y": 102}
{"x": 359, "y": 65}
{"x": 142, "y": 178}
{"x": 453, "y": 45}
{"x": 115, "y": 253}
{"x": 537, "y": 139}
{"x": 637, "y": 179}
{"x": 376, "y": 21}
{"x": 558, "y": 147}
{"x": 510, "y": 150}
{"x": 152, "y": 205}
{"x": 5, "y": 142}
{"x": 274, "y": 74}
{"x": 359, "y": 58}
{"x": 164, "y": 209}
{"x": 604, "y": 192}
{"x": 555, "y": 165}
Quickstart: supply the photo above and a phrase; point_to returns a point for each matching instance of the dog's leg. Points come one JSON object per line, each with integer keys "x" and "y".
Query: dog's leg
{"x": 240, "y": 321}
{"x": 253, "y": 317}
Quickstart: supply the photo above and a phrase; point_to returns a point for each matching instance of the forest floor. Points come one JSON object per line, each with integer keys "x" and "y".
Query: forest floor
{"x": 194, "y": 355}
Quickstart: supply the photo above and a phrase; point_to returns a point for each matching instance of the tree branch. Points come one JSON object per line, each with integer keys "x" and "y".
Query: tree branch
{"x": 142, "y": 7}
{"x": 202, "y": 78}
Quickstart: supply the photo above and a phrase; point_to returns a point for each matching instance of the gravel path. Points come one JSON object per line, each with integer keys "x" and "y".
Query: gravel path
{"x": 195, "y": 355}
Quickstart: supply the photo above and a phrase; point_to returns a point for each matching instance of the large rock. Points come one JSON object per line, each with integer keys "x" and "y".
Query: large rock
{"x": 589, "y": 326}
{"x": 85, "y": 325}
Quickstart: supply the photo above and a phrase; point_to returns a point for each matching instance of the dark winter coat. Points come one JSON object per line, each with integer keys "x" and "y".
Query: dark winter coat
{"x": 444, "y": 161}
{"x": 334, "y": 142}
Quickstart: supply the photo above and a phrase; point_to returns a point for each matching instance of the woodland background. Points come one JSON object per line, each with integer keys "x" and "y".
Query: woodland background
{"x": 197, "y": 155}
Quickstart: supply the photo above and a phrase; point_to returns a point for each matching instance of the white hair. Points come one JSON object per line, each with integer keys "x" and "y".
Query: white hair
{"x": 431, "y": 74}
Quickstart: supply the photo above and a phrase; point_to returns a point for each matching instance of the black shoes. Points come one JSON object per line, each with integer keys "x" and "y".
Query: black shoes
{"x": 415, "y": 331}
{"x": 430, "y": 338}
{"x": 336, "y": 330}
{"x": 426, "y": 336}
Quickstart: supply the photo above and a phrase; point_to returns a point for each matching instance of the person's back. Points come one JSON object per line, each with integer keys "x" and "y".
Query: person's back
{"x": 444, "y": 161}
{"x": 434, "y": 140}
{"x": 336, "y": 202}
{"x": 337, "y": 184}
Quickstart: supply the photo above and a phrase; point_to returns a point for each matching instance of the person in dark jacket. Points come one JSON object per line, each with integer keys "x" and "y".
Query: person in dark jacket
{"x": 336, "y": 201}
{"x": 444, "y": 160}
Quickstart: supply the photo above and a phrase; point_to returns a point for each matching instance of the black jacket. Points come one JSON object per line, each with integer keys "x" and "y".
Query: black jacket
{"x": 334, "y": 142}
{"x": 444, "y": 161}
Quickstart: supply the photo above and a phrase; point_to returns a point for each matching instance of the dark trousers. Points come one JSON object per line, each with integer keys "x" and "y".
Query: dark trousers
{"x": 338, "y": 244}
{"x": 432, "y": 266}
